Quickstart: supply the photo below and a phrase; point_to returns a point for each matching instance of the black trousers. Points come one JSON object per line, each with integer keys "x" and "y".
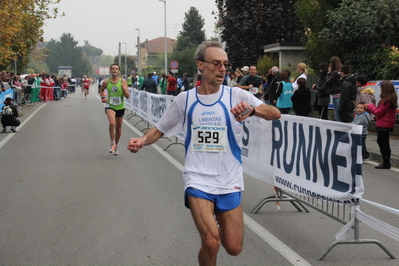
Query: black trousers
{"x": 10, "y": 121}
{"x": 383, "y": 143}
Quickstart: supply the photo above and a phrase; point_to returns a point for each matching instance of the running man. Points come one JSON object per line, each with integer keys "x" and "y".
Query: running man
{"x": 85, "y": 85}
{"x": 210, "y": 116}
{"x": 114, "y": 104}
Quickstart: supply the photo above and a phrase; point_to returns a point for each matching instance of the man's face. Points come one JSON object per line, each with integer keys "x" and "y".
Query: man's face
{"x": 252, "y": 70}
{"x": 114, "y": 70}
{"x": 213, "y": 67}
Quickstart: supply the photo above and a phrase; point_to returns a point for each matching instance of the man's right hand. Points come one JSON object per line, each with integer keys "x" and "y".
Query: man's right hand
{"x": 135, "y": 144}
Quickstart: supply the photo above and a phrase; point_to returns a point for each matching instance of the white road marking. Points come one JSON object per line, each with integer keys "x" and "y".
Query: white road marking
{"x": 375, "y": 164}
{"x": 6, "y": 139}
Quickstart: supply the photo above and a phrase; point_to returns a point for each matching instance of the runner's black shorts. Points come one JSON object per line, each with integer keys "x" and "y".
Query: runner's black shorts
{"x": 118, "y": 113}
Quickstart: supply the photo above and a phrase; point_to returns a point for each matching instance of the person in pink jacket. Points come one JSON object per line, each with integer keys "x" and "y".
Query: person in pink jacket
{"x": 385, "y": 114}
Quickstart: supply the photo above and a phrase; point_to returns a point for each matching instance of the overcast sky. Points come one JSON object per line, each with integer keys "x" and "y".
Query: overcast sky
{"x": 105, "y": 23}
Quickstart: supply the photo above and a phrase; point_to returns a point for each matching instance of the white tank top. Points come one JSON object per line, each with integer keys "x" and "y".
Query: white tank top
{"x": 212, "y": 138}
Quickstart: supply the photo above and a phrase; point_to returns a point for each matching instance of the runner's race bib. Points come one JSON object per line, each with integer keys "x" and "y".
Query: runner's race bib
{"x": 115, "y": 100}
{"x": 253, "y": 90}
{"x": 208, "y": 138}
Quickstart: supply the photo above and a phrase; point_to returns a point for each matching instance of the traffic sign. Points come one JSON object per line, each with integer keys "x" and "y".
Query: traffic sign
{"x": 174, "y": 64}
{"x": 174, "y": 71}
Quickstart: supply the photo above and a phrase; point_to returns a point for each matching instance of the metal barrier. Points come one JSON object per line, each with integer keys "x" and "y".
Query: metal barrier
{"x": 340, "y": 212}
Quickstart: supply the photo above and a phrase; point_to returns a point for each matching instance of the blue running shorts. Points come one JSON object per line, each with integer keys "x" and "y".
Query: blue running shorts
{"x": 223, "y": 202}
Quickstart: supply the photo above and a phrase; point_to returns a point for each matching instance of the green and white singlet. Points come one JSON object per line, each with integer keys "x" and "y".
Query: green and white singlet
{"x": 115, "y": 95}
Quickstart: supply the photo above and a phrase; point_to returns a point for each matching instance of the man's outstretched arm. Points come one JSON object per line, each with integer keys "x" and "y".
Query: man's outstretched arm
{"x": 150, "y": 137}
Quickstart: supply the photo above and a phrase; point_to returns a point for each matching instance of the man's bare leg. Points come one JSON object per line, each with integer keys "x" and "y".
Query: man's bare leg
{"x": 203, "y": 215}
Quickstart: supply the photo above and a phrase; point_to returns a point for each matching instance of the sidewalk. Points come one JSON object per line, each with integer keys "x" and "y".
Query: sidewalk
{"x": 374, "y": 150}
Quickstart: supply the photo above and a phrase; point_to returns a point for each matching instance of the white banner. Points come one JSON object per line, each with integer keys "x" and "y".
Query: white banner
{"x": 306, "y": 156}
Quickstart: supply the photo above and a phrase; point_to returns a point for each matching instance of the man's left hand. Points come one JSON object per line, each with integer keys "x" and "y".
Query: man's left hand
{"x": 239, "y": 109}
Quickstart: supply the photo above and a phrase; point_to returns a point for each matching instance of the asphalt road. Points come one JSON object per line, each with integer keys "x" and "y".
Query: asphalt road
{"x": 64, "y": 200}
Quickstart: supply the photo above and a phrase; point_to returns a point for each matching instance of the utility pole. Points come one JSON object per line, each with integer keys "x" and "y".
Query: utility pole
{"x": 120, "y": 54}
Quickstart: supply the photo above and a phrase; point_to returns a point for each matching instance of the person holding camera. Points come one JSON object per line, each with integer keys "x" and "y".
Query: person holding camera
{"x": 9, "y": 116}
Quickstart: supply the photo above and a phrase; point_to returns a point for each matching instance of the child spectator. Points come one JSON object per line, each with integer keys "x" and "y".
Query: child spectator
{"x": 365, "y": 94}
{"x": 284, "y": 94}
{"x": 385, "y": 114}
{"x": 301, "y": 99}
{"x": 362, "y": 118}
{"x": 64, "y": 87}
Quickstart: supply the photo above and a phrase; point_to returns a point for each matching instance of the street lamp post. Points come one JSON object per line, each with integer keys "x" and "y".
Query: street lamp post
{"x": 166, "y": 48}
{"x": 125, "y": 61}
{"x": 138, "y": 52}
{"x": 119, "y": 54}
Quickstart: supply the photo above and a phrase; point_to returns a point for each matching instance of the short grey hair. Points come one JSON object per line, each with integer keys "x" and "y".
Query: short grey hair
{"x": 275, "y": 69}
{"x": 201, "y": 49}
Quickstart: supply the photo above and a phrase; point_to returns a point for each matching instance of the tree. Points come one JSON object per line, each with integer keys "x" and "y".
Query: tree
{"x": 312, "y": 14}
{"x": 90, "y": 50}
{"x": 66, "y": 53}
{"x": 94, "y": 55}
{"x": 106, "y": 60}
{"x": 21, "y": 28}
{"x": 37, "y": 60}
{"x": 189, "y": 38}
{"x": 248, "y": 25}
{"x": 186, "y": 60}
{"x": 362, "y": 29}
{"x": 192, "y": 28}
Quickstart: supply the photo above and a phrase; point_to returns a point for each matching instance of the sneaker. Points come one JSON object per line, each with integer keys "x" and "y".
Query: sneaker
{"x": 13, "y": 129}
{"x": 113, "y": 148}
{"x": 4, "y": 130}
{"x": 116, "y": 151}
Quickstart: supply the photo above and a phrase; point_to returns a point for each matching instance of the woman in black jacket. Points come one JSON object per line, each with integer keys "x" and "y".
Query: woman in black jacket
{"x": 301, "y": 99}
{"x": 323, "y": 94}
{"x": 334, "y": 84}
{"x": 9, "y": 119}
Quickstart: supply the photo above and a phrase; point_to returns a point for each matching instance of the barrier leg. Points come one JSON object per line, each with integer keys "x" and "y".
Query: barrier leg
{"x": 281, "y": 198}
{"x": 174, "y": 143}
{"x": 356, "y": 240}
{"x": 362, "y": 241}
{"x": 132, "y": 114}
{"x": 146, "y": 128}
{"x": 142, "y": 120}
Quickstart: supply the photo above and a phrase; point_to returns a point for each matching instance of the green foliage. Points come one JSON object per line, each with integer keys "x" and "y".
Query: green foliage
{"x": 106, "y": 60}
{"x": 312, "y": 14}
{"x": 36, "y": 67}
{"x": 186, "y": 61}
{"x": 150, "y": 69}
{"x": 90, "y": 50}
{"x": 190, "y": 37}
{"x": 390, "y": 68}
{"x": 66, "y": 53}
{"x": 359, "y": 28}
{"x": 193, "y": 27}
{"x": 161, "y": 60}
{"x": 184, "y": 43}
{"x": 248, "y": 25}
{"x": 21, "y": 28}
{"x": 265, "y": 63}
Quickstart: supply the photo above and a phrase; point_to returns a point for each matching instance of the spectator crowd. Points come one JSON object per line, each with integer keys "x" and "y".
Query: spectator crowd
{"x": 351, "y": 97}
